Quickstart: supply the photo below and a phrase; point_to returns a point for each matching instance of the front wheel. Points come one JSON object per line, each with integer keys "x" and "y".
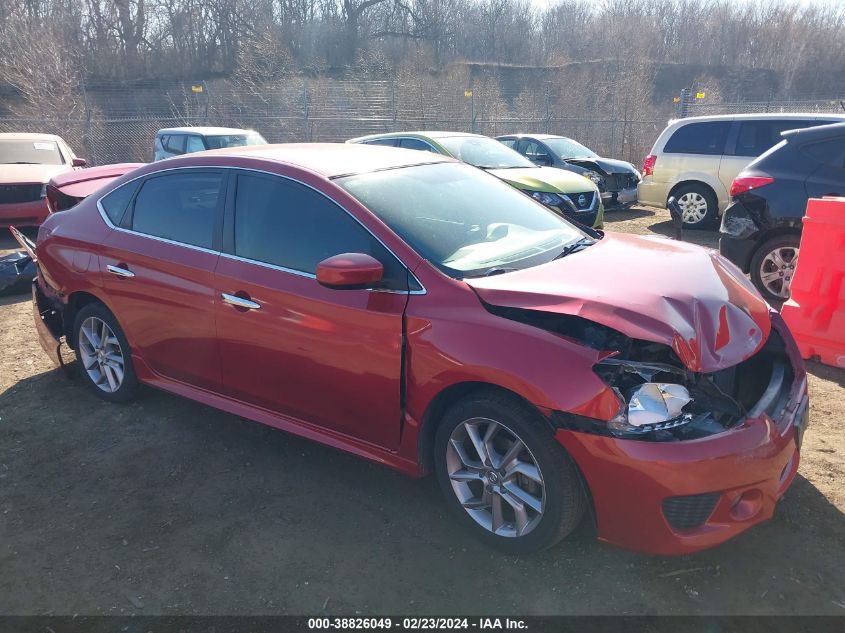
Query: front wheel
{"x": 504, "y": 475}
{"x": 103, "y": 354}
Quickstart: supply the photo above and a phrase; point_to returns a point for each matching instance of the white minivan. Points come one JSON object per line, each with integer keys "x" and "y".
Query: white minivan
{"x": 696, "y": 159}
{"x": 175, "y": 141}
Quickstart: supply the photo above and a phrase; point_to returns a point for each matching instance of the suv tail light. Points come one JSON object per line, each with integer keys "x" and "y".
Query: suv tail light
{"x": 648, "y": 165}
{"x": 747, "y": 183}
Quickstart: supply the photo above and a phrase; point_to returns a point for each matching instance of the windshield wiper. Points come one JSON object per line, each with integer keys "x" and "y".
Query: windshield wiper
{"x": 575, "y": 246}
{"x": 498, "y": 271}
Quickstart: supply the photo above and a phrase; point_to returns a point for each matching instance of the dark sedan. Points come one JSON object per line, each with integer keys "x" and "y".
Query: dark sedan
{"x": 616, "y": 179}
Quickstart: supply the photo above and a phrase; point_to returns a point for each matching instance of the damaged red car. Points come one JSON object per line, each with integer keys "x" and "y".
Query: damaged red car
{"x": 420, "y": 313}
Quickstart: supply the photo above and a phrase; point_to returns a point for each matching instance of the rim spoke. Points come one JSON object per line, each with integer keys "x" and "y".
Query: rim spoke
{"x": 768, "y": 278}
{"x": 520, "y": 514}
{"x": 92, "y": 338}
{"x": 117, "y": 370}
{"x": 777, "y": 259}
{"x": 498, "y": 519}
{"x": 466, "y": 475}
{"x": 524, "y": 468}
{"x": 478, "y": 443}
{"x": 107, "y": 371}
{"x": 512, "y": 454}
{"x": 462, "y": 454}
{"x": 528, "y": 499}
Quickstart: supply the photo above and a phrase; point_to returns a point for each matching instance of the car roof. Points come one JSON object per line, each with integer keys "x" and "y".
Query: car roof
{"x": 203, "y": 131}
{"x": 29, "y": 136}
{"x": 539, "y": 137}
{"x": 432, "y": 134}
{"x": 761, "y": 115}
{"x": 327, "y": 159}
{"x": 818, "y": 132}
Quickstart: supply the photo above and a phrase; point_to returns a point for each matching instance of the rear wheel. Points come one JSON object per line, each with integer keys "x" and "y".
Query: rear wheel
{"x": 103, "y": 354}
{"x": 773, "y": 266}
{"x": 699, "y": 206}
{"x": 504, "y": 476}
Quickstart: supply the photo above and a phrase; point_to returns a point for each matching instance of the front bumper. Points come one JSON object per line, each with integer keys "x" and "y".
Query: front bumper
{"x": 622, "y": 197}
{"x": 646, "y": 494}
{"x": 23, "y": 213}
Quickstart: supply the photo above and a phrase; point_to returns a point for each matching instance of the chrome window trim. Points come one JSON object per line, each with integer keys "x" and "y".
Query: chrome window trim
{"x": 299, "y": 273}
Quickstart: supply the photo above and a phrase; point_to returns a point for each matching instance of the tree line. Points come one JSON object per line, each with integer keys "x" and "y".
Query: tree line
{"x": 167, "y": 39}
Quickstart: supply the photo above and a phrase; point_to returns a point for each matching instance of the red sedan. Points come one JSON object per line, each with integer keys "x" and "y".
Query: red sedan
{"x": 423, "y": 314}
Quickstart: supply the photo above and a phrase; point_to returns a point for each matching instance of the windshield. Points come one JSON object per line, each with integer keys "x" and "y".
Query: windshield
{"x": 30, "y": 153}
{"x": 567, "y": 148}
{"x": 483, "y": 152}
{"x": 234, "y": 140}
{"x": 465, "y": 222}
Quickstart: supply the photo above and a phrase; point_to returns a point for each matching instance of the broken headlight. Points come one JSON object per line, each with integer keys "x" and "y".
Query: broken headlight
{"x": 652, "y": 406}
{"x": 651, "y": 397}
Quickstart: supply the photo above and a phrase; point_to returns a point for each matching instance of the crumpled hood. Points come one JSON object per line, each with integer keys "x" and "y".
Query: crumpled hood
{"x": 648, "y": 288}
{"x": 548, "y": 179}
{"x": 607, "y": 165}
{"x": 25, "y": 174}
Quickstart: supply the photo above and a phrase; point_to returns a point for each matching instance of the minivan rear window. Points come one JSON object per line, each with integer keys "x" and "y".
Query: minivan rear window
{"x": 707, "y": 137}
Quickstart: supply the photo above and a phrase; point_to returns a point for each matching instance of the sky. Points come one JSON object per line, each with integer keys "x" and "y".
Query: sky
{"x": 546, "y": 3}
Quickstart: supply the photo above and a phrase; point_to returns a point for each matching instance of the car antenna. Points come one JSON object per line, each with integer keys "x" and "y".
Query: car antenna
{"x": 677, "y": 217}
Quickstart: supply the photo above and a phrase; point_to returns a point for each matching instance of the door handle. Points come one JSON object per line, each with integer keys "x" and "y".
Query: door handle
{"x": 240, "y": 302}
{"x": 120, "y": 272}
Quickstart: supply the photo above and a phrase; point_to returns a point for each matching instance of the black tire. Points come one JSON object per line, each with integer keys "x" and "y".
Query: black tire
{"x": 564, "y": 502}
{"x": 711, "y": 214}
{"x": 786, "y": 242}
{"x": 128, "y": 386}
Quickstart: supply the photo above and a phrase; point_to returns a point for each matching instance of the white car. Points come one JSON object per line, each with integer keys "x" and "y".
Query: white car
{"x": 175, "y": 141}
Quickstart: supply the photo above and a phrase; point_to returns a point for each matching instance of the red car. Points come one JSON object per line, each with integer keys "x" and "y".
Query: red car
{"x": 420, "y": 313}
{"x": 27, "y": 162}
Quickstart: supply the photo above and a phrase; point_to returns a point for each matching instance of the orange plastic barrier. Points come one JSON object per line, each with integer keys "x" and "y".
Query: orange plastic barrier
{"x": 815, "y": 311}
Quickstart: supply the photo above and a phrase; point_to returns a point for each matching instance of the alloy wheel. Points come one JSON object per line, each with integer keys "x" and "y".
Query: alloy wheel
{"x": 693, "y": 207}
{"x": 777, "y": 270}
{"x": 495, "y": 477}
{"x": 101, "y": 355}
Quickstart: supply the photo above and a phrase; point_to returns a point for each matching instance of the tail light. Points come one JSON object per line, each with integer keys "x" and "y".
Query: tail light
{"x": 747, "y": 183}
{"x": 648, "y": 165}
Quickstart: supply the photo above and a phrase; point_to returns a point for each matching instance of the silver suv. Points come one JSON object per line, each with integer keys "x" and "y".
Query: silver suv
{"x": 696, "y": 159}
{"x": 175, "y": 141}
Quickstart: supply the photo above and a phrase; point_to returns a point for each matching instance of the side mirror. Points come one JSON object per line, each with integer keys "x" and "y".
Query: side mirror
{"x": 349, "y": 271}
{"x": 79, "y": 162}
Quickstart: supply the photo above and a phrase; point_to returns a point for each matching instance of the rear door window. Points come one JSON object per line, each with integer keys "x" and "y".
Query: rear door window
{"x": 830, "y": 152}
{"x": 707, "y": 137}
{"x": 182, "y": 207}
{"x": 756, "y": 137}
{"x": 115, "y": 203}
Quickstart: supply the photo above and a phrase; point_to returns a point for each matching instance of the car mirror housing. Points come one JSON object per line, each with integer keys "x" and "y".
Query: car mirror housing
{"x": 349, "y": 271}
{"x": 79, "y": 162}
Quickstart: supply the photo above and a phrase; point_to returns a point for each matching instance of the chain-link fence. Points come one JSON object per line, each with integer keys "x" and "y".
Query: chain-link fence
{"x": 119, "y": 125}
{"x": 820, "y": 106}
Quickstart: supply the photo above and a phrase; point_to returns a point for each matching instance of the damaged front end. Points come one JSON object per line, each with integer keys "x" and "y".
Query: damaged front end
{"x": 661, "y": 400}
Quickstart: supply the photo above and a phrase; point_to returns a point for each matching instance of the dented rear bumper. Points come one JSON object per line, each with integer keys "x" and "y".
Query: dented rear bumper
{"x": 679, "y": 497}
{"x": 48, "y": 323}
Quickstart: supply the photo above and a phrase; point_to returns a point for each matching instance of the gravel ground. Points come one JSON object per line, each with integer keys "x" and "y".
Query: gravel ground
{"x": 165, "y": 506}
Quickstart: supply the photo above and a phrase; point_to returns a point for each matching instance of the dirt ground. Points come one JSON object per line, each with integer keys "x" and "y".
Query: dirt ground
{"x": 165, "y": 506}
